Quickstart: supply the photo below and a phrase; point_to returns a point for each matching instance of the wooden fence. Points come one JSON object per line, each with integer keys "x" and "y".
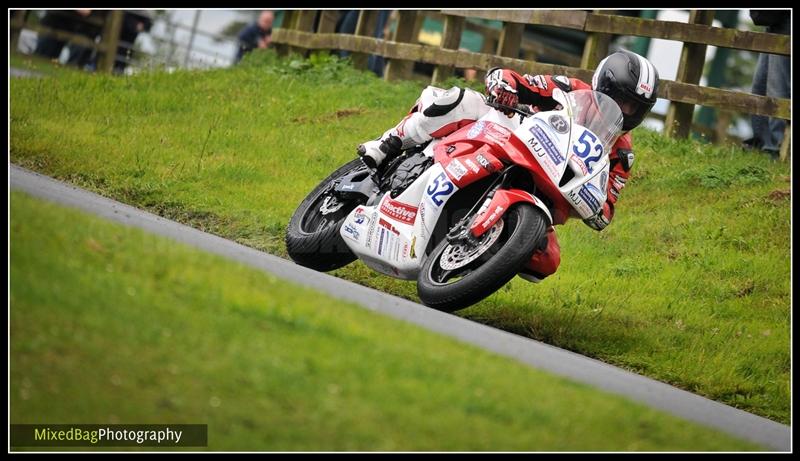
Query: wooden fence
{"x": 106, "y": 48}
{"x": 297, "y": 33}
{"x": 166, "y": 41}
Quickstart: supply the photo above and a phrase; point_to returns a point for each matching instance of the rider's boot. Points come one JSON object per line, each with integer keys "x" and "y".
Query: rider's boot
{"x": 406, "y": 134}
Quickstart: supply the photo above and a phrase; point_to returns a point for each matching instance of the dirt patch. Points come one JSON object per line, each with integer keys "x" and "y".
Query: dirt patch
{"x": 349, "y": 112}
{"x": 780, "y": 195}
{"x": 339, "y": 114}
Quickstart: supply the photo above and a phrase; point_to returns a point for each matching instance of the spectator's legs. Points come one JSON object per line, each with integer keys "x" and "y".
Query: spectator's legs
{"x": 779, "y": 81}
{"x": 79, "y": 55}
{"x": 760, "y": 123}
{"x": 47, "y": 46}
{"x": 375, "y": 62}
{"x": 347, "y": 25}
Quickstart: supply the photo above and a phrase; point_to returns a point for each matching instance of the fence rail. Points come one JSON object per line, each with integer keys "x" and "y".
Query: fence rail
{"x": 107, "y": 47}
{"x": 684, "y": 93}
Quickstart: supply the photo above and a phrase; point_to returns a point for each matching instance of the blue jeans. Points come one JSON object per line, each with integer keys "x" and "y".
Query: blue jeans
{"x": 772, "y": 78}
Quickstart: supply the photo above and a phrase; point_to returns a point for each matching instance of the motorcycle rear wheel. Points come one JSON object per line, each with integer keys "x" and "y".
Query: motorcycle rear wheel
{"x": 446, "y": 287}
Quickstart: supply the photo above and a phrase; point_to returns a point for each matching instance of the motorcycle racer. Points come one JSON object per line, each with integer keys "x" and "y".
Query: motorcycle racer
{"x": 628, "y": 78}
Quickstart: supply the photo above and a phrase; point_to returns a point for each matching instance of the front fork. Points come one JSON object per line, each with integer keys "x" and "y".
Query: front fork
{"x": 494, "y": 204}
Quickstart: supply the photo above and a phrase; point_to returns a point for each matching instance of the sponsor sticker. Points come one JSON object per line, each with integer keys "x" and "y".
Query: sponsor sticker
{"x": 473, "y": 166}
{"x": 371, "y": 230}
{"x": 456, "y": 169}
{"x": 351, "y": 231}
{"x": 559, "y": 123}
{"x": 589, "y": 194}
{"x": 476, "y": 129}
{"x": 387, "y": 225}
{"x": 547, "y": 144}
{"x": 399, "y": 211}
{"x": 499, "y": 209}
{"x": 380, "y": 241}
{"x": 574, "y": 198}
{"x": 359, "y": 217}
{"x": 484, "y": 163}
{"x": 498, "y": 133}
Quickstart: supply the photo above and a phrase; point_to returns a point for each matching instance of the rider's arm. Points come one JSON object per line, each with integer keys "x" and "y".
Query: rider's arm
{"x": 537, "y": 90}
{"x": 621, "y": 159}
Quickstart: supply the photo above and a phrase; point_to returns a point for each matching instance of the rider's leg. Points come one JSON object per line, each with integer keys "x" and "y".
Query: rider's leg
{"x": 545, "y": 259}
{"x": 436, "y": 113}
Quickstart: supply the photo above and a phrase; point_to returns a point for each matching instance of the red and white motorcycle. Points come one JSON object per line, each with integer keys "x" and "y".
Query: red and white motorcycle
{"x": 463, "y": 214}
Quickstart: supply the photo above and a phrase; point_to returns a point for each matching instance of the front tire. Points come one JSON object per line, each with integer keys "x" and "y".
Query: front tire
{"x": 312, "y": 238}
{"x": 452, "y": 278}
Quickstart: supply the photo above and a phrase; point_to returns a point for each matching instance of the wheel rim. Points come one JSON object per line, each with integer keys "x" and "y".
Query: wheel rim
{"x": 326, "y": 209}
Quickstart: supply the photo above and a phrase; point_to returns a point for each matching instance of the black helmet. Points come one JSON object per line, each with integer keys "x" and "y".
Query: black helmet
{"x": 630, "y": 80}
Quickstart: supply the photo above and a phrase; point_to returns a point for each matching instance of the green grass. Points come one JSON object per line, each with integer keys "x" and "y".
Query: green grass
{"x": 113, "y": 325}
{"x": 689, "y": 285}
{"x": 40, "y": 65}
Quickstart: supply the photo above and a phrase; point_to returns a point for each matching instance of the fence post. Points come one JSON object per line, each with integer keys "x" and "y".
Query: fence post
{"x": 110, "y": 40}
{"x": 367, "y": 20}
{"x": 596, "y": 47}
{"x": 510, "y": 40}
{"x": 191, "y": 38}
{"x": 327, "y": 21}
{"x": 287, "y": 22}
{"x": 398, "y": 69}
{"x": 304, "y": 22}
{"x": 785, "y": 145}
{"x": 678, "y": 123}
{"x": 451, "y": 38}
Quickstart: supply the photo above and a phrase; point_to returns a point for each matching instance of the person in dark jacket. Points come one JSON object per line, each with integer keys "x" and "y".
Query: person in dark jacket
{"x": 256, "y": 35}
{"x": 772, "y": 78}
{"x": 81, "y": 22}
{"x": 134, "y": 22}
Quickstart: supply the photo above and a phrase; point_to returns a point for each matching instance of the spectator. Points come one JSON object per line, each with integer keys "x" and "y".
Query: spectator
{"x": 772, "y": 78}
{"x": 73, "y": 21}
{"x": 133, "y": 23}
{"x": 256, "y": 35}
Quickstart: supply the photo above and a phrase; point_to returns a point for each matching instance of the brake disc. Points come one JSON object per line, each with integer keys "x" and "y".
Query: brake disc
{"x": 462, "y": 253}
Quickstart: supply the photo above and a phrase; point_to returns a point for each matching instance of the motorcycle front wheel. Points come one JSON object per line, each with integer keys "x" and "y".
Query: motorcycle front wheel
{"x": 312, "y": 236}
{"x": 458, "y": 275}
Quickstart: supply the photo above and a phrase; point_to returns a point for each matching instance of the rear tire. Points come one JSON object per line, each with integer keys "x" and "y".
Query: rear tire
{"x": 450, "y": 290}
{"x": 313, "y": 239}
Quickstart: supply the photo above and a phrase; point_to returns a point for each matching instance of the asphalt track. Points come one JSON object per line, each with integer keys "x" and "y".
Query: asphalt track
{"x": 771, "y": 435}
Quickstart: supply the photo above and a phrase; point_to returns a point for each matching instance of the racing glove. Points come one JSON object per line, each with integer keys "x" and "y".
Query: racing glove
{"x": 501, "y": 87}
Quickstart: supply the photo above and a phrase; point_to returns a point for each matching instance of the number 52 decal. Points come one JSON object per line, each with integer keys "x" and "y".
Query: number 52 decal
{"x": 441, "y": 187}
{"x": 587, "y": 146}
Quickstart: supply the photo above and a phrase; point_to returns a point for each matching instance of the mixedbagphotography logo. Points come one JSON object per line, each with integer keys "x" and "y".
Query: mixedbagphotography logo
{"x": 109, "y": 435}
